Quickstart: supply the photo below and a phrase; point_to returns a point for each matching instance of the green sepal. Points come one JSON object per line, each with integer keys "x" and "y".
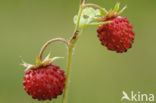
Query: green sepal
{"x": 48, "y": 57}
{"x": 110, "y": 12}
{"x": 49, "y": 61}
{"x": 116, "y": 8}
{"x": 55, "y": 58}
{"x": 38, "y": 61}
{"x": 27, "y": 65}
{"x": 28, "y": 68}
{"x": 122, "y": 10}
{"x": 115, "y": 12}
{"x": 103, "y": 13}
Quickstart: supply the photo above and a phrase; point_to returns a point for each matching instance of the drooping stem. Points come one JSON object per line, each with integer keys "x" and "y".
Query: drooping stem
{"x": 49, "y": 42}
{"x": 96, "y": 6}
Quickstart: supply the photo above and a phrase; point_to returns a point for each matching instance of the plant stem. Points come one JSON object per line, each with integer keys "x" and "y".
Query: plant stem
{"x": 79, "y": 16}
{"x": 70, "y": 52}
{"x": 96, "y": 6}
{"x": 49, "y": 42}
{"x": 72, "y": 42}
{"x": 68, "y": 75}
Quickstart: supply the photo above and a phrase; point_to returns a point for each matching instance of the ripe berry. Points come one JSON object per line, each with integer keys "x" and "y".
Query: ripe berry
{"x": 45, "y": 82}
{"x": 116, "y": 36}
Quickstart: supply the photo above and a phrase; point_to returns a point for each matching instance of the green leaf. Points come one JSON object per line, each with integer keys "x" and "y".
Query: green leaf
{"x": 87, "y": 15}
{"x": 116, "y": 8}
{"x": 83, "y": 20}
{"x": 38, "y": 61}
{"x": 98, "y": 12}
{"x": 90, "y": 12}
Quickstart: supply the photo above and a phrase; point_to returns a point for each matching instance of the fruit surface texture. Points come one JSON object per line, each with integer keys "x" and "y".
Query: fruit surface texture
{"x": 44, "y": 83}
{"x": 116, "y": 36}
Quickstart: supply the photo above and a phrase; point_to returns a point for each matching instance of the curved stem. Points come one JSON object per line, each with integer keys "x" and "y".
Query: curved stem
{"x": 83, "y": 1}
{"x": 92, "y": 5}
{"x": 49, "y": 42}
{"x": 96, "y": 6}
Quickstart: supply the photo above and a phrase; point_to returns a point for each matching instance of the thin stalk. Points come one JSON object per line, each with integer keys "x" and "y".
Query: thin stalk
{"x": 72, "y": 42}
{"x": 70, "y": 45}
{"x": 96, "y": 6}
{"x": 49, "y": 42}
{"x": 70, "y": 52}
{"x": 65, "y": 96}
{"x": 78, "y": 20}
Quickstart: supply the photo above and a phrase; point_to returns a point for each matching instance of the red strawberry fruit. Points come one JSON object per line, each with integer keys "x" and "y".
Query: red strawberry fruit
{"x": 44, "y": 81}
{"x": 116, "y": 36}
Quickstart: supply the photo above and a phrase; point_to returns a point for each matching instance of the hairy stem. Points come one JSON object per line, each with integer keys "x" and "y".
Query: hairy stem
{"x": 49, "y": 42}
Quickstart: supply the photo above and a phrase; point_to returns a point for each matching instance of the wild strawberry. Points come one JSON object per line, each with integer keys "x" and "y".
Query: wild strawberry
{"x": 44, "y": 81}
{"x": 116, "y": 36}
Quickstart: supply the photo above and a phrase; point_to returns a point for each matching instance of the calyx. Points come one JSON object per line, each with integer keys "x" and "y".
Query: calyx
{"x": 112, "y": 13}
{"x": 46, "y": 62}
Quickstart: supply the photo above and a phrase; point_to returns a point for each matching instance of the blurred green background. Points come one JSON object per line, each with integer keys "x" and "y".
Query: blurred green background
{"x": 98, "y": 75}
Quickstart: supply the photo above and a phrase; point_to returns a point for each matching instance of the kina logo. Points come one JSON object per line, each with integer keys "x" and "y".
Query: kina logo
{"x": 137, "y": 97}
